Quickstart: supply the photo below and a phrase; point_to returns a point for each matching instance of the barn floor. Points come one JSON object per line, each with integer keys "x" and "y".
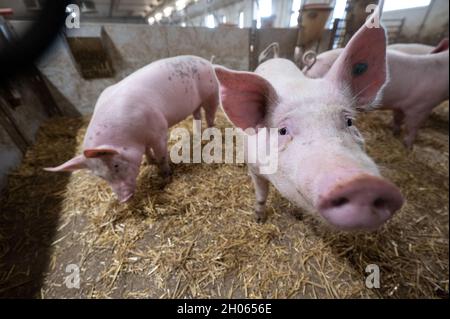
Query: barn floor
{"x": 197, "y": 237}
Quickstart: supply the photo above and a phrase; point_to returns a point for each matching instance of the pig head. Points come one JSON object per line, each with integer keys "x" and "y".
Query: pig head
{"x": 322, "y": 165}
{"x": 117, "y": 166}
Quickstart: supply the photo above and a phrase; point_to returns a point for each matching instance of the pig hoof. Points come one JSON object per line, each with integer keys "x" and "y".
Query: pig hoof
{"x": 164, "y": 182}
{"x": 297, "y": 214}
{"x": 396, "y": 131}
{"x": 166, "y": 177}
{"x": 166, "y": 174}
{"x": 408, "y": 145}
{"x": 261, "y": 218}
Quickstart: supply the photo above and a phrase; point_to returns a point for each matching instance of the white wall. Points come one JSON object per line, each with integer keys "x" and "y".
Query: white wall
{"x": 435, "y": 26}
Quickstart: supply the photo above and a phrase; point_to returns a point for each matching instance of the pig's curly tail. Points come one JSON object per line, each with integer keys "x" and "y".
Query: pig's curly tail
{"x": 274, "y": 48}
{"x": 309, "y": 59}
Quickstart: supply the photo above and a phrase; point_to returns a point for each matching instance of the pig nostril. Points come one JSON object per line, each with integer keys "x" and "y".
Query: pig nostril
{"x": 379, "y": 203}
{"x": 339, "y": 202}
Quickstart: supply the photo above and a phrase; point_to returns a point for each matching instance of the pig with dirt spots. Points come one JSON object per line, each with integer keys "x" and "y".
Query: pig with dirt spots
{"x": 417, "y": 84}
{"x": 322, "y": 166}
{"x": 132, "y": 118}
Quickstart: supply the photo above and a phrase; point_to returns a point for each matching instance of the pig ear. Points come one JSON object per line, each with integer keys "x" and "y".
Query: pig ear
{"x": 245, "y": 97}
{"x": 441, "y": 47}
{"x": 99, "y": 152}
{"x": 74, "y": 164}
{"x": 361, "y": 68}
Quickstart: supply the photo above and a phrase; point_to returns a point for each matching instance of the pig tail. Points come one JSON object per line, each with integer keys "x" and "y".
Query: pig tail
{"x": 309, "y": 59}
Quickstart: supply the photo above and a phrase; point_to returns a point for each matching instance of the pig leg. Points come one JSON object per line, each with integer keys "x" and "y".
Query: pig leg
{"x": 413, "y": 122}
{"x": 197, "y": 117}
{"x": 197, "y": 114}
{"x": 261, "y": 191}
{"x": 150, "y": 156}
{"x": 397, "y": 122}
{"x": 161, "y": 156}
{"x": 210, "y": 110}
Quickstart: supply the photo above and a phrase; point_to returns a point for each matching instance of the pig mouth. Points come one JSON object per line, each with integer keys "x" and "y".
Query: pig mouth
{"x": 123, "y": 199}
{"x": 123, "y": 191}
{"x": 123, "y": 195}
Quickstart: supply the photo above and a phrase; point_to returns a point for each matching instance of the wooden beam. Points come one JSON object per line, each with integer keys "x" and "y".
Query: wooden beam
{"x": 11, "y": 127}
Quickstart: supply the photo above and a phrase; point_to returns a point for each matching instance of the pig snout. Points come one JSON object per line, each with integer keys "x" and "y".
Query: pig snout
{"x": 364, "y": 202}
{"x": 123, "y": 191}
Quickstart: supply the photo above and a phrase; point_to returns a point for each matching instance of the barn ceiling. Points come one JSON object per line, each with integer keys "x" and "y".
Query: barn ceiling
{"x": 105, "y": 8}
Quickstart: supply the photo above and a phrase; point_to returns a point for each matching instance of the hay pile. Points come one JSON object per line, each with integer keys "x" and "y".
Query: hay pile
{"x": 197, "y": 237}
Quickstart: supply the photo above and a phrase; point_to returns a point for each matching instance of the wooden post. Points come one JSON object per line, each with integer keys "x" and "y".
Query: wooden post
{"x": 333, "y": 33}
{"x": 11, "y": 127}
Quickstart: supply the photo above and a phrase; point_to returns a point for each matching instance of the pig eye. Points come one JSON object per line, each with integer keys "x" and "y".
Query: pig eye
{"x": 349, "y": 122}
{"x": 283, "y": 131}
{"x": 360, "y": 68}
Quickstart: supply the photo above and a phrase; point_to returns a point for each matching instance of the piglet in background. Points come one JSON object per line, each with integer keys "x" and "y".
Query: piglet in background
{"x": 132, "y": 118}
{"x": 417, "y": 84}
{"x": 418, "y": 49}
{"x": 322, "y": 165}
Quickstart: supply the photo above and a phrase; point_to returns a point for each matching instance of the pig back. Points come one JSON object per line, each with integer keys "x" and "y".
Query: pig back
{"x": 414, "y": 78}
{"x": 175, "y": 86}
{"x": 162, "y": 93}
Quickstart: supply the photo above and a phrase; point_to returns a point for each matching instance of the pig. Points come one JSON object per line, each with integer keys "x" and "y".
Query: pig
{"x": 132, "y": 118}
{"x": 322, "y": 166}
{"x": 322, "y": 63}
{"x": 419, "y": 49}
{"x": 318, "y": 65}
{"x": 417, "y": 84}
{"x": 272, "y": 49}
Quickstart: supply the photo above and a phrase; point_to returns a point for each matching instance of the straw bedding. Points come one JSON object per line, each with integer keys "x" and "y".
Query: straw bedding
{"x": 196, "y": 237}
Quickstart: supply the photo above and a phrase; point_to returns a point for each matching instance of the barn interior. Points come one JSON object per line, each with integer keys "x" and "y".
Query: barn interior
{"x": 197, "y": 236}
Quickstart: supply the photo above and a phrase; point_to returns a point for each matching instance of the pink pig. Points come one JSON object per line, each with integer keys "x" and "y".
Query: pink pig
{"x": 133, "y": 116}
{"x": 418, "y": 49}
{"x": 417, "y": 84}
{"x": 322, "y": 165}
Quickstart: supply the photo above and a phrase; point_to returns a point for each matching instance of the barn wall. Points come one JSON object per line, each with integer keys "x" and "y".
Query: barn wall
{"x": 133, "y": 46}
{"x": 286, "y": 38}
{"x": 10, "y": 156}
{"x": 435, "y": 25}
{"x": 18, "y": 126}
{"x": 29, "y": 115}
{"x": 24, "y": 105}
